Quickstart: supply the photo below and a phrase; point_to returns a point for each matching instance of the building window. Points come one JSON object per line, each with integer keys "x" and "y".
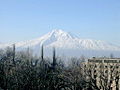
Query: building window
{"x": 111, "y": 66}
{"x": 117, "y": 67}
{"x": 95, "y": 76}
{"x": 94, "y": 71}
{"x": 95, "y": 66}
{"x": 106, "y": 71}
{"x": 106, "y": 66}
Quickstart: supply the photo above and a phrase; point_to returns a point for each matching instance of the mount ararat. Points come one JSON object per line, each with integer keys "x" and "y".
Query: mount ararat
{"x": 67, "y": 44}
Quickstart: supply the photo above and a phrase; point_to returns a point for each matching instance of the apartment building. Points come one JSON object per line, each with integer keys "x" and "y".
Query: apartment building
{"x": 106, "y": 72}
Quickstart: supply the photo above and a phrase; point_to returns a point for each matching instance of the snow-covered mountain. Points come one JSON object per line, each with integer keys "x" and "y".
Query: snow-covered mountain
{"x": 66, "y": 43}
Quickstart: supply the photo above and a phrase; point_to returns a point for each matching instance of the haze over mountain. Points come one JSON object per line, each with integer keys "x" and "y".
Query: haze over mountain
{"x": 68, "y": 45}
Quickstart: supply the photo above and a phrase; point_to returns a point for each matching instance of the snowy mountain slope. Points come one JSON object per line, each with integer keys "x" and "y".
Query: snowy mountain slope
{"x": 65, "y": 41}
{"x": 61, "y": 39}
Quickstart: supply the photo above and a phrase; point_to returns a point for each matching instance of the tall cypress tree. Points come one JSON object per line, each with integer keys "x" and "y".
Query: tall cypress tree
{"x": 42, "y": 53}
{"x": 54, "y": 59}
{"x": 14, "y": 54}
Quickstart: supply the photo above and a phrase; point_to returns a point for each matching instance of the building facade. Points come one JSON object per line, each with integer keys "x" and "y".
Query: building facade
{"x": 106, "y": 72}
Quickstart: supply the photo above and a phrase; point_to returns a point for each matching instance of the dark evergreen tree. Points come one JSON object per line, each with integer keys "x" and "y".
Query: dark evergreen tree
{"x": 54, "y": 59}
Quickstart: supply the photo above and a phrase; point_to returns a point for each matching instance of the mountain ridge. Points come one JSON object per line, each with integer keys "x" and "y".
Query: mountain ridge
{"x": 58, "y": 37}
{"x": 63, "y": 40}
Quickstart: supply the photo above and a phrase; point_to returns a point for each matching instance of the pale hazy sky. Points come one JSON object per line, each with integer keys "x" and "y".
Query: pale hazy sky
{"x": 22, "y": 20}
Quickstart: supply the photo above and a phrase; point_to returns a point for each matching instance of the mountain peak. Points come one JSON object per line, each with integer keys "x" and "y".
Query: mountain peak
{"x": 62, "y": 40}
{"x": 59, "y": 33}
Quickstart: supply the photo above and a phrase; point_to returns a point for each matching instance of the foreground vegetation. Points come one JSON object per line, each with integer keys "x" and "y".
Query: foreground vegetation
{"x": 23, "y": 71}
